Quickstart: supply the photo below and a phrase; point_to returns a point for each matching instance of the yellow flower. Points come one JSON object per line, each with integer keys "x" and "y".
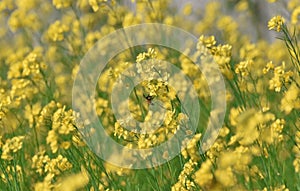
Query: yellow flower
{"x": 281, "y": 188}
{"x": 204, "y": 175}
{"x": 184, "y": 182}
{"x": 243, "y": 67}
{"x": 269, "y": 66}
{"x": 242, "y": 6}
{"x": 150, "y": 54}
{"x": 280, "y": 78}
{"x": 247, "y": 126}
{"x": 62, "y": 3}
{"x": 52, "y": 140}
{"x": 226, "y": 177}
{"x": 56, "y": 32}
{"x": 207, "y": 41}
{"x": 15, "y": 20}
{"x": 295, "y": 15}
{"x": 11, "y": 146}
{"x": 188, "y": 9}
{"x": 46, "y": 185}
{"x": 39, "y": 161}
{"x": 74, "y": 182}
{"x": 192, "y": 149}
{"x": 31, "y": 113}
{"x": 95, "y": 4}
{"x": 292, "y": 4}
{"x": 291, "y": 99}
{"x": 57, "y": 165}
{"x": 131, "y": 19}
{"x": 276, "y": 23}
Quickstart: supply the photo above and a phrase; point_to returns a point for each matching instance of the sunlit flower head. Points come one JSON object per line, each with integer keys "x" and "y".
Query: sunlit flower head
{"x": 276, "y": 23}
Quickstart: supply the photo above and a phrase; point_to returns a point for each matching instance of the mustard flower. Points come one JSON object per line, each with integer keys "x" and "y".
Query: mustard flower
{"x": 16, "y": 19}
{"x": 52, "y": 140}
{"x": 292, "y": 4}
{"x": 12, "y": 173}
{"x": 217, "y": 147}
{"x": 63, "y": 121}
{"x": 276, "y": 23}
{"x": 204, "y": 176}
{"x": 185, "y": 182}
{"x": 242, "y": 6}
{"x": 59, "y": 4}
{"x": 11, "y": 146}
{"x": 291, "y": 99}
{"x": 74, "y": 182}
{"x": 187, "y": 9}
{"x": 268, "y": 67}
{"x": 56, "y": 31}
{"x": 226, "y": 177}
{"x": 57, "y": 165}
{"x": 39, "y": 161}
{"x": 295, "y": 16}
{"x": 243, "y": 67}
{"x": 150, "y": 54}
{"x": 7, "y": 4}
{"x": 280, "y": 78}
{"x": 31, "y": 113}
{"x": 192, "y": 150}
{"x": 95, "y": 4}
{"x": 247, "y": 122}
{"x": 46, "y": 185}
{"x": 207, "y": 41}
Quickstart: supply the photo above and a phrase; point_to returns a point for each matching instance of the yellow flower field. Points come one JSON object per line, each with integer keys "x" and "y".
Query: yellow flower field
{"x": 176, "y": 95}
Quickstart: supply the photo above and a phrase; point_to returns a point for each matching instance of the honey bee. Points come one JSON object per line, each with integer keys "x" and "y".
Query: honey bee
{"x": 148, "y": 98}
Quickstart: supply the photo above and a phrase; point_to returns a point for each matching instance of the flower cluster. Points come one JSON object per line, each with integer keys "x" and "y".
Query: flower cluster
{"x": 276, "y": 23}
{"x": 185, "y": 182}
{"x": 11, "y": 146}
{"x": 45, "y": 144}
